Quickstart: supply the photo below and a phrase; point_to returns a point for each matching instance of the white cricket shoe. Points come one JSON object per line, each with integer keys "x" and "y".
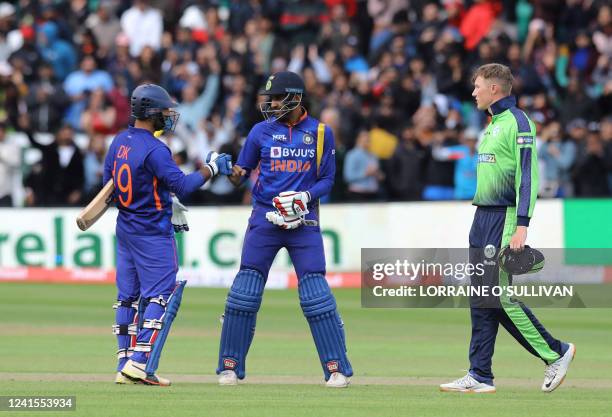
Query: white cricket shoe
{"x": 228, "y": 377}
{"x": 135, "y": 371}
{"x": 122, "y": 380}
{"x": 467, "y": 384}
{"x": 556, "y": 371}
{"x": 338, "y": 380}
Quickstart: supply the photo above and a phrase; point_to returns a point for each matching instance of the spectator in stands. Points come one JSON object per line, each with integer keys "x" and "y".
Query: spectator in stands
{"x": 27, "y": 58}
{"x": 105, "y": 27}
{"x": 300, "y": 21}
{"x": 80, "y": 83}
{"x": 9, "y": 94}
{"x": 46, "y": 101}
{"x": 93, "y": 165}
{"x": 143, "y": 26}
{"x": 466, "y": 160}
{"x": 99, "y": 115}
{"x": 362, "y": 171}
{"x": 558, "y": 156}
{"x": 56, "y": 51}
{"x": 478, "y": 21}
{"x": 406, "y": 167}
{"x": 10, "y": 38}
{"x": 10, "y": 158}
{"x": 592, "y": 168}
{"x": 194, "y": 107}
{"x": 58, "y": 178}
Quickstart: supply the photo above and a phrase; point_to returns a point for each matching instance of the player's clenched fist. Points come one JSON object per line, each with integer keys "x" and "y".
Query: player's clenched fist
{"x": 219, "y": 163}
{"x": 292, "y": 203}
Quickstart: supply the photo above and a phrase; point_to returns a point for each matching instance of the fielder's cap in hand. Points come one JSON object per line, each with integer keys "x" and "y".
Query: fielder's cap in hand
{"x": 525, "y": 261}
{"x": 283, "y": 82}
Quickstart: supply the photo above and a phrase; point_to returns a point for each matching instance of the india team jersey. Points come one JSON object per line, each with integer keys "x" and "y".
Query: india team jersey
{"x": 144, "y": 174}
{"x": 287, "y": 159}
{"x": 507, "y": 173}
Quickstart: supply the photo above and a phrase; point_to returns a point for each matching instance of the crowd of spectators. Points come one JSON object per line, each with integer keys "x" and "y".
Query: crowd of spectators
{"x": 392, "y": 78}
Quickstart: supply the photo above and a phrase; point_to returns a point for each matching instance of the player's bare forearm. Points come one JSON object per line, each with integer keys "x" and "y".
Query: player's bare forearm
{"x": 238, "y": 174}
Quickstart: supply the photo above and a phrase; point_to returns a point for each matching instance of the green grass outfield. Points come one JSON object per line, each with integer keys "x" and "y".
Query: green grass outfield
{"x": 56, "y": 340}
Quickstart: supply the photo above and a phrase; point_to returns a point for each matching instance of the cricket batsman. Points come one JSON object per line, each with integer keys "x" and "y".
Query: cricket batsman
{"x": 144, "y": 175}
{"x": 296, "y": 158}
{"x": 506, "y": 191}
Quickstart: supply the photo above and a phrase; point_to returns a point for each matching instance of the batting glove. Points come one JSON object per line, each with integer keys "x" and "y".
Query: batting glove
{"x": 292, "y": 203}
{"x": 179, "y": 220}
{"x": 219, "y": 163}
{"x": 290, "y": 222}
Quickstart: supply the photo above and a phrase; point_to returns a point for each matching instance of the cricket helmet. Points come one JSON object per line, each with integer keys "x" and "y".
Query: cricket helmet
{"x": 287, "y": 84}
{"x": 149, "y": 101}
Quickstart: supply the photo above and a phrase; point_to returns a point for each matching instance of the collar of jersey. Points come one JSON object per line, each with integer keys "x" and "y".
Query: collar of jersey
{"x": 300, "y": 120}
{"x": 502, "y": 105}
{"x": 139, "y": 129}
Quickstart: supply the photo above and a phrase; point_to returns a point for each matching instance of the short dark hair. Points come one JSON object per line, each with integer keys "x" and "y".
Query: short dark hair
{"x": 499, "y": 72}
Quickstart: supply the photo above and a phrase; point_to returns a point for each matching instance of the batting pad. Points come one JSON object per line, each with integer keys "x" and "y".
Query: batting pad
{"x": 319, "y": 307}
{"x": 243, "y": 302}
{"x": 171, "y": 308}
{"x": 125, "y": 329}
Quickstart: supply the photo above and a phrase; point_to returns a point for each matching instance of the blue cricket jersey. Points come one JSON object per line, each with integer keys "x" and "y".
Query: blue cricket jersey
{"x": 144, "y": 174}
{"x": 287, "y": 159}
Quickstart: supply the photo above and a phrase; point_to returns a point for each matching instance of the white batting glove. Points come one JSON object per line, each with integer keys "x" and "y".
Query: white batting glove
{"x": 179, "y": 220}
{"x": 292, "y": 203}
{"x": 290, "y": 222}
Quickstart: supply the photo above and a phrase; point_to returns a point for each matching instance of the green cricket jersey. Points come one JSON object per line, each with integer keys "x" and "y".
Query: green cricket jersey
{"x": 507, "y": 173}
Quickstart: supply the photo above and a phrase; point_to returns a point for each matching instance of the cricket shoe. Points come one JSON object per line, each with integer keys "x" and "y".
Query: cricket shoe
{"x": 467, "y": 384}
{"x": 136, "y": 372}
{"x": 338, "y": 380}
{"x": 123, "y": 380}
{"x": 556, "y": 371}
{"x": 228, "y": 377}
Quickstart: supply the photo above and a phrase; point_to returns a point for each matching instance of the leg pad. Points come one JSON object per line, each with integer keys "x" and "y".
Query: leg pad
{"x": 319, "y": 307}
{"x": 243, "y": 302}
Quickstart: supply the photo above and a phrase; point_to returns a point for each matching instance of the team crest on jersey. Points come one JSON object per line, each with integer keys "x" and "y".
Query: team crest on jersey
{"x": 486, "y": 158}
{"x": 308, "y": 139}
{"x": 495, "y": 131}
{"x": 524, "y": 140}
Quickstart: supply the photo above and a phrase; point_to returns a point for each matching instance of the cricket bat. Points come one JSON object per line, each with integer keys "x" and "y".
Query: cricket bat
{"x": 96, "y": 207}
